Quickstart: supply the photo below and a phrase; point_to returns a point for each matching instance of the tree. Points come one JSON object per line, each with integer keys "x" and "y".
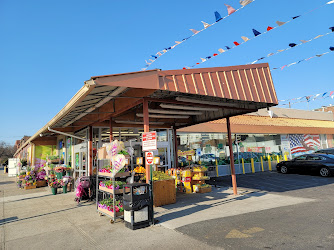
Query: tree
{"x": 6, "y": 151}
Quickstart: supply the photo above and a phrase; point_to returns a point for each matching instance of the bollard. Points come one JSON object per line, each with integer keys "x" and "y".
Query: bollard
{"x": 252, "y": 162}
{"x": 277, "y": 157}
{"x": 217, "y": 167}
{"x": 243, "y": 165}
{"x": 269, "y": 163}
{"x": 285, "y": 157}
{"x": 262, "y": 164}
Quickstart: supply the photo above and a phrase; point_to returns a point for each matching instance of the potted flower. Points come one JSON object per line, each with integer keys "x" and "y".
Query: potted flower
{"x": 54, "y": 185}
{"x": 68, "y": 181}
{"x": 59, "y": 171}
{"x": 40, "y": 178}
{"x": 68, "y": 170}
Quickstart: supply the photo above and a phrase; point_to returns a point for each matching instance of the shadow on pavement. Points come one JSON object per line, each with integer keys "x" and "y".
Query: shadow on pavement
{"x": 16, "y": 219}
{"x": 275, "y": 182}
{"x": 6, "y": 182}
{"x": 198, "y": 203}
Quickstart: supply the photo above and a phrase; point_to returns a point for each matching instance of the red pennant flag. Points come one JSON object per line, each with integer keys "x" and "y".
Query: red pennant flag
{"x": 331, "y": 93}
{"x": 269, "y": 28}
{"x": 183, "y": 68}
{"x": 236, "y": 43}
{"x": 215, "y": 54}
{"x": 230, "y": 9}
{"x": 197, "y": 63}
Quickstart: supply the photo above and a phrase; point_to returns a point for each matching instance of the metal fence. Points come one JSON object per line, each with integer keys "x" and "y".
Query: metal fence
{"x": 224, "y": 170}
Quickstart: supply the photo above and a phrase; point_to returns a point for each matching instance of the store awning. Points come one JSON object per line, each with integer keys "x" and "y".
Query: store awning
{"x": 250, "y": 124}
{"x": 177, "y": 98}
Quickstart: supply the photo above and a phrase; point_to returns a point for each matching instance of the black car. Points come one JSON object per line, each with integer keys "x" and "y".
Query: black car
{"x": 322, "y": 163}
{"x": 327, "y": 151}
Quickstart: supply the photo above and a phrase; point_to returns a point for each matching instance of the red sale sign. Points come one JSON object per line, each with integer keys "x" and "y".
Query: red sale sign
{"x": 149, "y": 141}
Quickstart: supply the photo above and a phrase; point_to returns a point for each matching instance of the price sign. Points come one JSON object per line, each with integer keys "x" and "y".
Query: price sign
{"x": 150, "y": 141}
{"x": 149, "y": 158}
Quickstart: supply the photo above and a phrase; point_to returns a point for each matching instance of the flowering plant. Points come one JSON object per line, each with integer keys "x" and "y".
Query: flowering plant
{"x": 108, "y": 184}
{"x": 108, "y": 204}
{"x": 59, "y": 169}
{"x": 54, "y": 184}
{"x": 41, "y": 175}
{"x": 108, "y": 169}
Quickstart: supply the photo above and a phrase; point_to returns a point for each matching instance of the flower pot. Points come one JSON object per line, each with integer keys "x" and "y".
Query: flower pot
{"x": 54, "y": 191}
{"x": 65, "y": 189}
{"x": 60, "y": 175}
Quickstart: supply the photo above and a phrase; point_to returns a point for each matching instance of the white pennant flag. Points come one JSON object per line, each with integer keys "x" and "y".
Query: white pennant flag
{"x": 203, "y": 60}
{"x": 206, "y": 25}
{"x": 221, "y": 50}
{"x": 177, "y": 42}
{"x": 159, "y": 54}
{"x": 330, "y": 2}
{"x": 318, "y": 36}
{"x": 194, "y": 31}
{"x": 245, "y": 38}
{"x": 245, "y": 2}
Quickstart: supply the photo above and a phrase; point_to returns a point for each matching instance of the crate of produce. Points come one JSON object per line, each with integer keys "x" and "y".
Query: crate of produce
{"x": 164, "y": 192}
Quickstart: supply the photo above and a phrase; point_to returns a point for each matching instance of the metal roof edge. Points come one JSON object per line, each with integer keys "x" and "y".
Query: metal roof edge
{"x": 84, "y": 91}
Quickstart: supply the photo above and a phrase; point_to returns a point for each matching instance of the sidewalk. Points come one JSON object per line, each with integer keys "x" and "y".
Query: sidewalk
{"x": 35, "y": 219}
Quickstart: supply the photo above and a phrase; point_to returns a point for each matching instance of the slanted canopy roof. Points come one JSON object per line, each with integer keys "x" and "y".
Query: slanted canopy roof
{"x": 177, "y": 98}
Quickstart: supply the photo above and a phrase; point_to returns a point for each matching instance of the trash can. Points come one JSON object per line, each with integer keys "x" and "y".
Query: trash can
{"x": 136, "y": 201}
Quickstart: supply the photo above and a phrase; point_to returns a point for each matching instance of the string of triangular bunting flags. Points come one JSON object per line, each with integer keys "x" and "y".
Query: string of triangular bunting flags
{"x": 256, "y": 34}
{"x": 293, "y": 45}
{"x": 230, "y": 11}
{"x": 315, "y": 56}
{"x": 307, "y": 98}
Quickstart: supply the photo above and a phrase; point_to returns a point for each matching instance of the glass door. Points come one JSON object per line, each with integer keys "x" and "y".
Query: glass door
{"x": 80, "y": 160}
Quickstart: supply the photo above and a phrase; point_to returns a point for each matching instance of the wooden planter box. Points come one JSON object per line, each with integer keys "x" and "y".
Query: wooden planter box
{"x": 205, "y": 190}
{"x": 125, "y": 174}
{"x": 111, "y": 214}
{"x": 118, "y": 191}
{"x": 41, "y": 183}
{"x": 30, "y": 187}
{"x": 164, "y": 192}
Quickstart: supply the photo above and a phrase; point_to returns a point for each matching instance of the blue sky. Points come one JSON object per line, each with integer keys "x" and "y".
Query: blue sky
{"x": 49, "y": 48}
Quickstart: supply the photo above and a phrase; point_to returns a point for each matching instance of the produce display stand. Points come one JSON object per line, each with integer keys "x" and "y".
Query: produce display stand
{"x": 108, "y": 192}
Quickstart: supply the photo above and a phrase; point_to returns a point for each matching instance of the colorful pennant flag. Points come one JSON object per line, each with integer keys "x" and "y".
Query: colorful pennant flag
{"x": 218, "y": 17}
{"x": 256, "y": 33}
{"x": 280, "y": 23}
{"x": 291, "y": 45}
{"x": 319, "y": 55}
{"x": 245, "y": 38}
{"x": 230, "y": 9}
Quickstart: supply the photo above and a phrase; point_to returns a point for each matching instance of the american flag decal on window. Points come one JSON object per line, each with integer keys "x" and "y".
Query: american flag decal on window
{"x": 304, "y": 143}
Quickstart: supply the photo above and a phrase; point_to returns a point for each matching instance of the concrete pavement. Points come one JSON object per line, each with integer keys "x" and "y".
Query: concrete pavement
{"x": 35, "y": 219}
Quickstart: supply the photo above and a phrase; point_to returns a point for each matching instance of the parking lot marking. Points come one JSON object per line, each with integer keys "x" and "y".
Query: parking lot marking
{"x": 236, "y": 234}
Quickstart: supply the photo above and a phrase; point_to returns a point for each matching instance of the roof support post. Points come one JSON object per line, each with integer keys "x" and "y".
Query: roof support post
{"x": 175, "y": 148}
{"x": 90, "y": 150}
{"x": 146, "y": 129}
{"x": 110, "y": 130}
{"x": 234, "y": 179}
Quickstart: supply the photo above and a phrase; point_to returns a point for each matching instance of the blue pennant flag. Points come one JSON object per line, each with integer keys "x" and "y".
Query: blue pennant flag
{"x": 332, "y": 29}
{"x": 227, "y": 47}
{"x": 292, "y": 45}
{"x": 155, "y": 57}
{"x": 218, "y": 16}
{"x": 208, "y": 57}
{"x": 256, "y": 33}
{"x": 331, "y": 48}
{"x": 295, "y": 17}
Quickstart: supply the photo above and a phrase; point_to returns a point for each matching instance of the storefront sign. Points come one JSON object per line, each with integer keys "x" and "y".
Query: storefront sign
{"x": 149, "y": 158}
{"x": 150, "y": 141}
{"x": 258, "y": 149}
{"x": 184, "y": 153}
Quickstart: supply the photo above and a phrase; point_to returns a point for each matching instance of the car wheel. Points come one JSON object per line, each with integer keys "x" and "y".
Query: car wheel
{"x": 324, "y": 172}
{"x": 284, "y": 170}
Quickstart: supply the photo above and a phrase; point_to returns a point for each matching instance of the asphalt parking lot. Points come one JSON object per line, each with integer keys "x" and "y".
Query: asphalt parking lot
{"x": 307, "y": 225}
